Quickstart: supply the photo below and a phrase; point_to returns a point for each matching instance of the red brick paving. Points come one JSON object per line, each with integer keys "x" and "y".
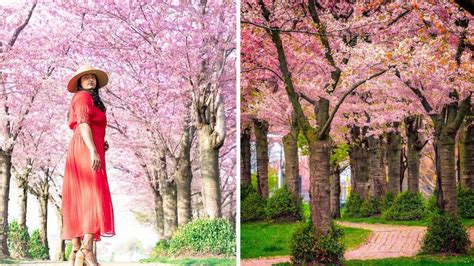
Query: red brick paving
{"x": 386, "y": 241}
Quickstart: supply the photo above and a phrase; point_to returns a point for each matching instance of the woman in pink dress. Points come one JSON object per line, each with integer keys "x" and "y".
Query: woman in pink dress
{"x": 86, "y": 203}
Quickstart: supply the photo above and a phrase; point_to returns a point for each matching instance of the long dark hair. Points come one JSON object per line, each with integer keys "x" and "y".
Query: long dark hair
{"x": 94, "y": 93}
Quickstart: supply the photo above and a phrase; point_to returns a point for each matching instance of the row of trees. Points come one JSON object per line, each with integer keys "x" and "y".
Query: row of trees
{"x": 170, "y": 104}
{"x": 372, "y": 75}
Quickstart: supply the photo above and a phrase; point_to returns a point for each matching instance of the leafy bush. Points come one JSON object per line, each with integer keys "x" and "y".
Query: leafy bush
{"x": 203, "y": 236}
{"x": 161, "y": 249}
{"x": 36, "y": 249}
{"x": 370, "y": 207}
{"x": 352, "y": 206}
{"x": 17, "y": 240}
{"x": 272, "y": 180}
{"x": 306, "y": 248}
{"x": 432, "y": 208}
{"x": 246, "y": 190}
{"x": 387, "y": 201}
{"x": 446, "y": 233}
{"x": 407, "y": 206}
{"x": 465, "y": 198}
{"x": 252, "y": 208}
{"x": 283, "y": 206}
{"x": 68, "y": 250}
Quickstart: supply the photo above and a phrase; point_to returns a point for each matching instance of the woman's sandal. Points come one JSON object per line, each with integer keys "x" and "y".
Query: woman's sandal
{"x": 81, "y": 258}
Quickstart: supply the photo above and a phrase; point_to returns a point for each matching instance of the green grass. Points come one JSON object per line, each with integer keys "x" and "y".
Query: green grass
{"x": 419, "y": 260}
{"x": 9, "y": 261}
{"x": 380, "y": 220}
{"x": 265, "y": 239}
{"x": 193, "y": 261}
{"x": 354, "y": 237}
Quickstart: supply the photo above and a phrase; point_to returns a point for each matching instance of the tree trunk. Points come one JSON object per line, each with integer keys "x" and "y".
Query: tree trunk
{"x": 319, "y": 155}
{"x": 378, "y": 182}
{"x": 466, "y": 154}
{"x": 290, "y": 146}
{"x": 43, "y": 216}
{"x": 5, "y": 176}
{"x": 261, "y": 131}
{"x": 160, "y": 224}
{"x": 22, "y": 202}
{"x": 209, "y": 159}
{"x": 447, "y": 164}
{"x": 358, "y": 160}
{"x": 414, "y": 147}
{"x": 335, "y": 191}
{"x": 170, "y": 209}
{"x": 61, "y": 245}
{"x": 168, "y": 192}
{"x": 245, "y": 155}
{"x": 183, "y": 188}
{"x": 183, "y": 172}
{"x": 394, "y": 150}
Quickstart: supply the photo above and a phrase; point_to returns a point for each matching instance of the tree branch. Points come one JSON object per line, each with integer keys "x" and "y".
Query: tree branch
{"x": 302, "y": 120}
{"x": 21, "y": 27}
{"x": 336, "y": 74}
{"x": 327, "y": 125}
{"x": 463, "y": 110}
{"x": 424, "y": 102}
{"x": 399, "y": 17}
{"x": 277, "y": 29}
{"x": 263, "y": 68}
{"x": 304, "y": 96}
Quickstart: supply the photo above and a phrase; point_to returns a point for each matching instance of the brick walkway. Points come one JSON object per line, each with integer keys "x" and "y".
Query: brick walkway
{"x": 386, "y": 241}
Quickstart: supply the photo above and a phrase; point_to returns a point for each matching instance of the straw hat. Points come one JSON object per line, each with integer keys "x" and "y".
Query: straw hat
{"x": 102, "y": 77}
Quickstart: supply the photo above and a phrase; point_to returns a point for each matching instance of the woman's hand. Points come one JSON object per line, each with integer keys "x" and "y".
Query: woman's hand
{"x": 106, "y": 146}
{"x": 95, "y": 159}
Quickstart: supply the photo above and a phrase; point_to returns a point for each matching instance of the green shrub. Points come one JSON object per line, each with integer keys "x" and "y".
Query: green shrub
{"x": 68, "y": 250}
{"x": 387, "y": 201}
{"x": 17, "y": 240}
{"x": 370, "y": 207}
{"x": 203, "y": 236}
{"x": 161, "y": 249}
{"x": 352, "y": 206}
{"x": 283, "y": 206}
{"x": 432, "y": 208}
{"x": 407, "y": 206}
{"x": 446, "y": 233}
{"x": 465, "y": 198}
{"x": 36, "y": 249}
{"x": 306, "y": 248}
{"x": 272, "y": 180}
{"x": 252, "y": 208}
{"x": 246, "y": 190}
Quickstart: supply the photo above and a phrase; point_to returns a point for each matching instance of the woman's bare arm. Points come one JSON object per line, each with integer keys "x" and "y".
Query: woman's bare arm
{"x": 86, "y": 134}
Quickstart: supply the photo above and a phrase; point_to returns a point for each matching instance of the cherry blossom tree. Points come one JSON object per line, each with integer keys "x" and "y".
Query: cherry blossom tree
{"x": 343, "y": 57}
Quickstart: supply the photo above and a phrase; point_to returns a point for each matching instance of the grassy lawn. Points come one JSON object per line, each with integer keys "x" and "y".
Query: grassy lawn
{"x": 419, "y": 260}
{"x": 26, "y": 261}
{"x": 193, "y": 261}
{"x": 265, "y": 239}
{"x": 414, "y": 261}
{"x": 380, "y": 220}
{"x": 9, "y": 261}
